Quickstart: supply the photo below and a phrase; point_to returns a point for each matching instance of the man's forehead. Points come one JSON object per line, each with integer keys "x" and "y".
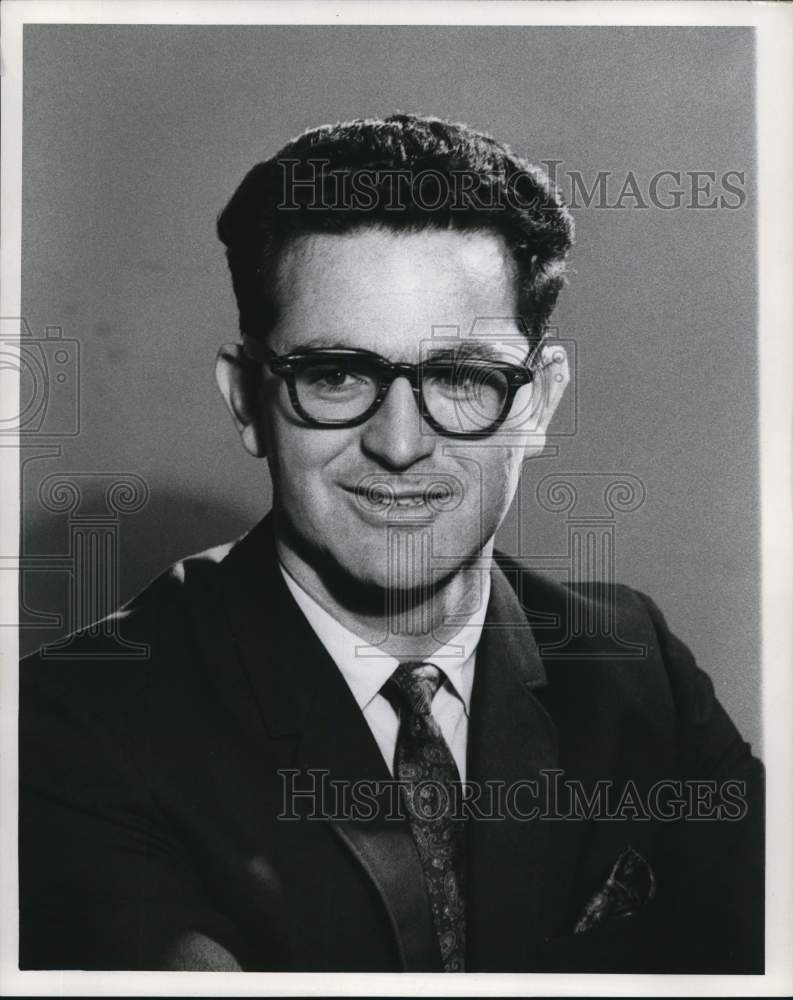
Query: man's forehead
{"x": 375, "y": 288}
{"x": 370, "y": 254}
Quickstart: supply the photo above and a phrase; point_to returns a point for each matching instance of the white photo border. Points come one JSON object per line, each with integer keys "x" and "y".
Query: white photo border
{"x": 773, "y": 24}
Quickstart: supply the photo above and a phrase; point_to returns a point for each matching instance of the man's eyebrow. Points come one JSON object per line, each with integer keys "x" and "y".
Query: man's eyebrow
{"x": 454, "y": 353}
{"x": 323, "y": 342}
{"x": 466, "y": 351}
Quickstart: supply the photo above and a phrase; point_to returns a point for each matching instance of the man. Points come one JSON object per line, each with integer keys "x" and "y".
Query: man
{"x": 361, "y": 741}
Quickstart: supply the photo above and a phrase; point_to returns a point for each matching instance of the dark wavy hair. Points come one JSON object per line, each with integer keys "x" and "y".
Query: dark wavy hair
{"x": 407, "y": 173}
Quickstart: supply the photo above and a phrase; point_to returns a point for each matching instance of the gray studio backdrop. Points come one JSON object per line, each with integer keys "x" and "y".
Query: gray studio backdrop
{"x": 134, "y": 138}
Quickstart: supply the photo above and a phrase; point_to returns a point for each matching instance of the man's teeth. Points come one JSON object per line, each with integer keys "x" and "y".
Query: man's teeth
{"x": 409, "y": 501}
{"x": 386, "y": 499}
{"x": 390, "y": 501}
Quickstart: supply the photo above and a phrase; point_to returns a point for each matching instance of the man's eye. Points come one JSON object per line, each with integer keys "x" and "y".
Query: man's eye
{"x": 333, "y": 380}
{"x": 456, "y": 380}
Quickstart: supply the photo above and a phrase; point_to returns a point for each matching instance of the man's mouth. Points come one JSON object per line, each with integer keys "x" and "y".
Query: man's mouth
{"x": 382, "y": 498}
{"x": 416, "y": 500}
{"x": 438, "y": 493}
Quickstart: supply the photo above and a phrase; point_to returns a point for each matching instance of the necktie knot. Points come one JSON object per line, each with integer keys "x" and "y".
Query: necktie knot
{"x": 415, "y": 684}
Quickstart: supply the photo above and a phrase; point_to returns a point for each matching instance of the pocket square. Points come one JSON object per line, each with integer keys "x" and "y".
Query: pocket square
{"x": 630, "y": 885}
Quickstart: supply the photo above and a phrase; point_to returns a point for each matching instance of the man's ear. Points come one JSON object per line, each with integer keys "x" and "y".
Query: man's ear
{"x": 239, "y": 381}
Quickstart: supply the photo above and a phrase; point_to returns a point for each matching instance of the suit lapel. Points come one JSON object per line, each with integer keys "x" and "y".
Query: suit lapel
{"x": 310, "y": 713}
{"x": 511, "y": 739}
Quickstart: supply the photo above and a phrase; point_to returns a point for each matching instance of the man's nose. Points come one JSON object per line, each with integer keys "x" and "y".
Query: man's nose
{"x": 396, "y": 436}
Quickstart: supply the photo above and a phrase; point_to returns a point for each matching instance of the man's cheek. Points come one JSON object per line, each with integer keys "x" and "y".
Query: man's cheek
{"x": 499, "y": 483}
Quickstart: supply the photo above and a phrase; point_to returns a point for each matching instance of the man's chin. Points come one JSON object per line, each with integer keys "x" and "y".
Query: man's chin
{"x": 377, "y": 585}
{"x": 371, "y": 581}
{"x": 373, "y": 571}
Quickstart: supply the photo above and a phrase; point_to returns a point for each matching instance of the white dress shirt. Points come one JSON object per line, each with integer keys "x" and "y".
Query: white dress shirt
{"x": 366, "y": 669}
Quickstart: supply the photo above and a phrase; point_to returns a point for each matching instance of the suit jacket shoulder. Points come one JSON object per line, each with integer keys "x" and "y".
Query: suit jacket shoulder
{"x": 613, "y": 643}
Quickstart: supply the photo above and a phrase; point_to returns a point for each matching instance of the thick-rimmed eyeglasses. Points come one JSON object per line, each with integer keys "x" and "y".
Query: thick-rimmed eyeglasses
{"x": 457, "y": 396}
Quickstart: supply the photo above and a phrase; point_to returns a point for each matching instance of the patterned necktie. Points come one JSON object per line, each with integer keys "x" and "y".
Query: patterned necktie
{"x": 430, "y": 782}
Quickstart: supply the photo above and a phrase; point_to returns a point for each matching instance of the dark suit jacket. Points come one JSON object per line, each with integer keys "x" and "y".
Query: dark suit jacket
{"x": 150, "y": 792}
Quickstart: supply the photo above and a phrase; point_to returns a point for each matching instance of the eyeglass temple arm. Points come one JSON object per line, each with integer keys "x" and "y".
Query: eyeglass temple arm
{"x": 255, "y": 349}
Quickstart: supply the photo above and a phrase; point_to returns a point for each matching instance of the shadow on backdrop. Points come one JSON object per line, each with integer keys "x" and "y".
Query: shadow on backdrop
{"x": 77, "y": 568}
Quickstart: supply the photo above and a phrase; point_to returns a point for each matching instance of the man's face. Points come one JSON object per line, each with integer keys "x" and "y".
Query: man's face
{"x": 389, "y": 293}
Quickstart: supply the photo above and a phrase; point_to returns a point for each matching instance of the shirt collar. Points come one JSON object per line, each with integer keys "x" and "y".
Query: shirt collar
{"x": 366, "y": 668}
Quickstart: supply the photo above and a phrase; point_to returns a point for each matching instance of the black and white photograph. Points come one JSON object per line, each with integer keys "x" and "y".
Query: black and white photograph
{"x": 395, "y": 408}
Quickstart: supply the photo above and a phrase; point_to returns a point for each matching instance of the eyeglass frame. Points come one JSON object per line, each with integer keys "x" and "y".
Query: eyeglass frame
{"x": 284, "y": 365}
